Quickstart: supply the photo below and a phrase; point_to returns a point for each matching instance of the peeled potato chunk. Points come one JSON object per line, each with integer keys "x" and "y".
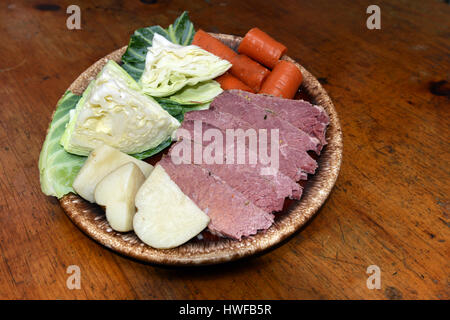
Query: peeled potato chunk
{"x": 166, "y": 217}
{"x": 102, "y": 161}
{"x": 116, "y": 192}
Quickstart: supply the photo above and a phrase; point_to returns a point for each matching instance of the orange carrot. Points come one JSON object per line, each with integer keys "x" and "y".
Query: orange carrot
{"x": 213, "y": 45}
{"x": 283, "y": 81}
{"x": 249, "y": 71}
{"x": 261, "y": 47}
{"x": 228, "y": 82}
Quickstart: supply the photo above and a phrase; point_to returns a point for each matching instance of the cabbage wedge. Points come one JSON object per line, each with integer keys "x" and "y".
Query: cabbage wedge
{"x": 170, "y": 67}
{"x": 114, "y": 111}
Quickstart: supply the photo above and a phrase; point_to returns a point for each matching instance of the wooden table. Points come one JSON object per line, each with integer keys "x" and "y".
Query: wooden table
{"x": 389, "y": 208}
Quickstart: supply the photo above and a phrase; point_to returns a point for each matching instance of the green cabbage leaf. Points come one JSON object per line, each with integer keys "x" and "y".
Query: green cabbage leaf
{"x": 180, "y": 32}
{"x": 58, "y": 168}
{"x": 201, "y": 93}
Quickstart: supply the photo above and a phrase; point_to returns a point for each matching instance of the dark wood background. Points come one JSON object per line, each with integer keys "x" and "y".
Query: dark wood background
{"x": 390, "y": 206}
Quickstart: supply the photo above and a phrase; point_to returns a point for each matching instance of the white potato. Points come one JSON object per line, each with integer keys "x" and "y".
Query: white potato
{"x": 116, "y": 192}
{"x": 102, "y": 161}
{"x": 166, "y": 217}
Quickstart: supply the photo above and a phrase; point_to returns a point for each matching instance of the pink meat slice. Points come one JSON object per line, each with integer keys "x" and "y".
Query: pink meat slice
{"x": 232, "y": 214}
{"x": 283, "y": 182}
{"x": 310, "y": 118}
{"x": 260, "y": 118}
{"x": 267, "y": 192}
{"x": 294, "y": 163}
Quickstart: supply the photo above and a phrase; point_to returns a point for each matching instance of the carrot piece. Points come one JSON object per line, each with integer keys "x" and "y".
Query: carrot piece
{"x": 283, "y": 81}
{"x": 213, "y": 45}
{"x": 228, "y": 82}
{"x": 261, "y": 47}
{"x": 249, "y": 71}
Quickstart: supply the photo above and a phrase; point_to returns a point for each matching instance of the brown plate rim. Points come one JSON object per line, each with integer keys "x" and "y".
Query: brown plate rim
{"x": 90, "y": 219}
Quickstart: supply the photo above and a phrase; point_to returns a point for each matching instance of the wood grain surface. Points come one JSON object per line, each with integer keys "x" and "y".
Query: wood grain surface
{"x": 390, "y": 206}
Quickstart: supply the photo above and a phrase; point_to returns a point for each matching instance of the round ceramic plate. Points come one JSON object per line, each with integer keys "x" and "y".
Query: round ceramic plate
{"x": 91, "y": 219}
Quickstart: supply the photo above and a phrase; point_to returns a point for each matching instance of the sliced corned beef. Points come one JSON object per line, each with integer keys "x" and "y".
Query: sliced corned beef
{"x": 282, "y": 180}
{"x": 293, "y": 162}
{"x": 310, "y": 118}
{"x": 231, "y": 213}
{"x": 267, "y": 192}
{"x": 260, "y": 118}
